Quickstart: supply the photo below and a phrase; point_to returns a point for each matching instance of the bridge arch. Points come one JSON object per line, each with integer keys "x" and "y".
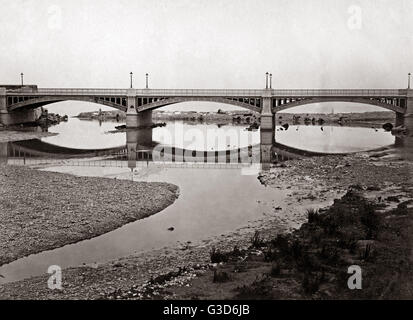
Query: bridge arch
{"x": 231, "y": 101}
{"x": 42, "y": 101}
{"x": 367, "y": 101}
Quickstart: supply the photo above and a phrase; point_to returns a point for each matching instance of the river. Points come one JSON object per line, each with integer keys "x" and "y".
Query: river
{"x": 215, "y": 197}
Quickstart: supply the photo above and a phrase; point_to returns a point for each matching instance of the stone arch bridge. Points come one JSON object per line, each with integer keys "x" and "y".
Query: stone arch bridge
{"x": 20, "y": 104}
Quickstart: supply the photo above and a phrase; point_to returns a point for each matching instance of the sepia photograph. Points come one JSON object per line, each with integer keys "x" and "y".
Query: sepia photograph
{"x": 204, "y": 157}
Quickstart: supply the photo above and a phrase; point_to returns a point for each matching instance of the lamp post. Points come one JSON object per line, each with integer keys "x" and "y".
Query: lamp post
{"x": 408, "y": 80}
{"x": 131, "y": 80}
{"x": 146, "y": 81}
{"x": 266, "y": 80}
{"x": 270, "y": 80}
{"x": 21, "y": 76}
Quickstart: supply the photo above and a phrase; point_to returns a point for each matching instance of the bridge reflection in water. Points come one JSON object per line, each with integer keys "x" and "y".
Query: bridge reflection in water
{"x": 141, "y": 150}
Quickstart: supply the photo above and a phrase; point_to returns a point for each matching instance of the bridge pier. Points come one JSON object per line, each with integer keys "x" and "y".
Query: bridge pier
{"x": 18, "y": 117}
{"x": 266, "y": 145}
{"x": 267, "y": 131}
{"x": 408, "y": 115}
{"x": 135, "y": 119}
{"x": 138, "y": 119}
{"x": 267, "y": 137}
{"x": 399, "y": 119}
{"x": 138, "y": 140}
{"x": 267, "y": 117}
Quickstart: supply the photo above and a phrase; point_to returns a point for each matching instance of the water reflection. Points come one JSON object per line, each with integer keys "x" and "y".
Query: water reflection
{"x": 146, "y": 155}
{"x": 209, "y": 137}
{"x": 210, "y": 202}
{"x": 140, "y": 148}
{"x": 196, "y": 144}
{"x": 333, "y": 139}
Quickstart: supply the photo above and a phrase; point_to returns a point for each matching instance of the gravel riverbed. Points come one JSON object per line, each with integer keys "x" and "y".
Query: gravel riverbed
{"x": 45, "y": 210}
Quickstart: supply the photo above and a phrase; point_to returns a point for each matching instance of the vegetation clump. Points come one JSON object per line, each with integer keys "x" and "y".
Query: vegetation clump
{"x": 322, "y": 247}
{"x": 257, "y": 241}
{"x": 221, "y": 276}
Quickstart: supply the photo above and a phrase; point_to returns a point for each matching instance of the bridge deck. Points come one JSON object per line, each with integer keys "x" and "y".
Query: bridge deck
{"x": 212, "y": 92}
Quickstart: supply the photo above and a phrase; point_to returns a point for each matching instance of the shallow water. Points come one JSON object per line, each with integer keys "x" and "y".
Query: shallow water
{"x": 82, "y": 134}
{"x": 207, "y": 206}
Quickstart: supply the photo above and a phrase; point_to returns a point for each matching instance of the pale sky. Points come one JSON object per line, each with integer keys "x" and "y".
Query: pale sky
{"x": 207, "y": 44}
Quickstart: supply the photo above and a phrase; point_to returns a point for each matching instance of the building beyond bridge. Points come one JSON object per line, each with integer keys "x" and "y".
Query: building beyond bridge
{"x": 21, "y": 104}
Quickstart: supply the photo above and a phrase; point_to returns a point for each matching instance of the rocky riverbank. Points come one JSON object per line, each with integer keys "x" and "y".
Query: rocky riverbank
{"x": 102, "y": 115}
{"x": 186, "y": 271}
{"x": 349, "y": 118}
{"x": 49, "y": 119}
{"x": 221, "y": 117}
{"x": 45, "y": 210}
{"x": 247, "y": 117}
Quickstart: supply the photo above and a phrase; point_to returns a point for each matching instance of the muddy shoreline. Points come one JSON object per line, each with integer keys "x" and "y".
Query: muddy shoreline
{"x": 313, "y": 183}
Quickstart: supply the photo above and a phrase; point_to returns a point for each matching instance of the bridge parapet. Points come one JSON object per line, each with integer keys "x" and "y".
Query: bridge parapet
{"x": 218, "y": 92}
{"x": 201, "y": 92}
{"x": 72, "y": 92}
{"x": 339, "y": 93}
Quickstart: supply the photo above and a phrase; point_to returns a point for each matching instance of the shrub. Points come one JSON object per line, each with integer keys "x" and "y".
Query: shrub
{"x": 275, "y": 269}
{"x": 365, "y": 254}
{"x": 329, "y": 222}
{"x": 240, "y": 267}
{"x": 271, "y": 254}
{"x": 370, "y": 219}
{"x": 401, "y": 209}
{"x": 257, "y": 241}
{"x": 352, "y": 245}
{"x": 296, "y": 249}
{"x": 236, "y": 252}
{"x": 220, "y": 276}
{"x": 282, "y": 244}
{"x": 329, "y": 253}
{"x": 313, "y": 216}
{"x": 217, "y": 256}
{"x": 310, "y": 283}
{"x": 306, "y": 263}
{"x": 356, "y": 187}
{"x": 258, "y": 290}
